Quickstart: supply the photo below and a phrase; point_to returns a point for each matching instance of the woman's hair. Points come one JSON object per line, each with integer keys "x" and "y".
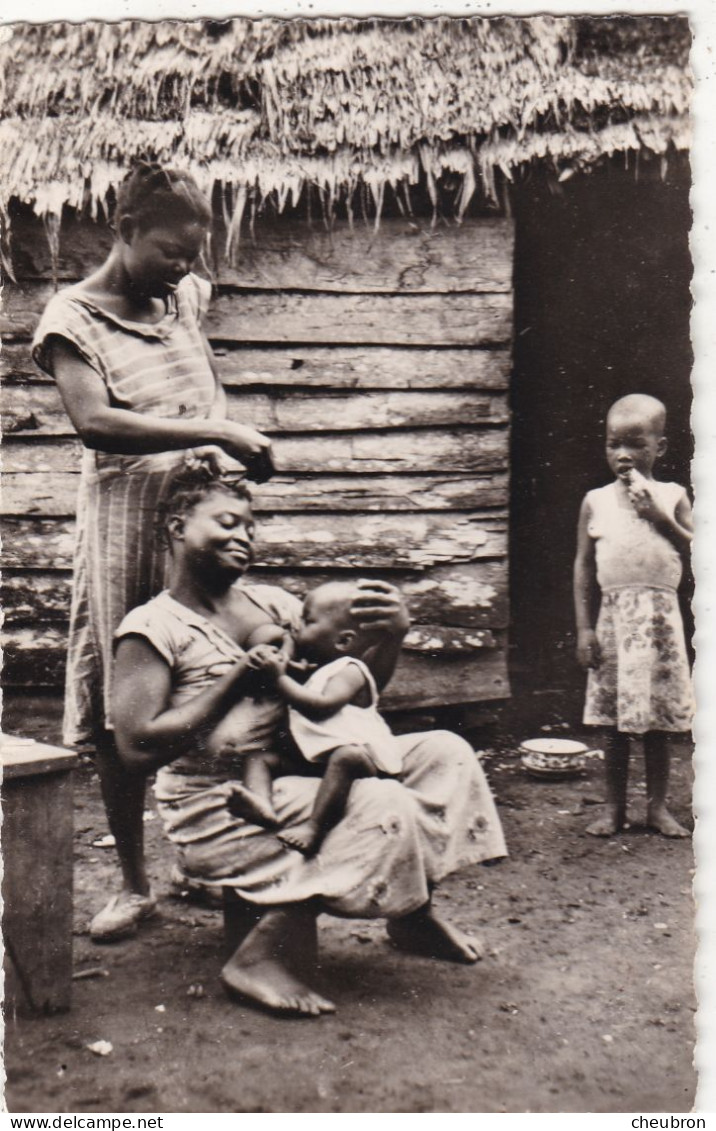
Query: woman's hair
{"x": 154, "y": 195}
{"x": 189, "y": 486}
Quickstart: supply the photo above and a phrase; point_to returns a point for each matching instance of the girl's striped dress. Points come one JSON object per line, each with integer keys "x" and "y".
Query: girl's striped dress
{"x": 159, "y": 369}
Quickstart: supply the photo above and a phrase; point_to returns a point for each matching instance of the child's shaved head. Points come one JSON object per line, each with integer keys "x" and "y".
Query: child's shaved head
{"x": 639, "y": 408}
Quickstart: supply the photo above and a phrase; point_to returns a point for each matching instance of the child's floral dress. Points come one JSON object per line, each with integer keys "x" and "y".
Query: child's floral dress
{"x": 643, "y": 682}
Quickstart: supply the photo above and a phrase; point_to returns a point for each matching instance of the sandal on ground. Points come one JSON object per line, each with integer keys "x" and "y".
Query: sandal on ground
{"x": 121, "y": 916}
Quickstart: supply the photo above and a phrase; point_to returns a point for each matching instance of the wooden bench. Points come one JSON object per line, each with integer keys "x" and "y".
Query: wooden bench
{"x": 37, "y": 880}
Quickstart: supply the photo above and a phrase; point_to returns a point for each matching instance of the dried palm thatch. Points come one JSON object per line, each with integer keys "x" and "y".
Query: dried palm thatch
{"x": 264, "y": 108}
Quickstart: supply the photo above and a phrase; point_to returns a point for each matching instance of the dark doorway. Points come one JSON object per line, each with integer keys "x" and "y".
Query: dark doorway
{"x": 602, "y": 304}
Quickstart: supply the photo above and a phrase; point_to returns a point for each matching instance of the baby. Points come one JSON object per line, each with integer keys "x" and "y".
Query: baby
{"x": 630, "y": 541}
{"x": 333, "y": 716}
{"x": 249, "y": 794}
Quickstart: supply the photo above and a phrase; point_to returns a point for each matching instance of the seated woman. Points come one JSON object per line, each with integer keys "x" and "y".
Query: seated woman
{"x": 181, "y": 667}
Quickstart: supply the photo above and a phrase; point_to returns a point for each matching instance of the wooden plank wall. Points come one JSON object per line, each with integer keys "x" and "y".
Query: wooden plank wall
{"x": 379, "y": 363}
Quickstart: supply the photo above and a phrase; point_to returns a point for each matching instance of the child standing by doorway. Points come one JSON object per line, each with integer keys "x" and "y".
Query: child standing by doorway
{"x": 631, "y": 538}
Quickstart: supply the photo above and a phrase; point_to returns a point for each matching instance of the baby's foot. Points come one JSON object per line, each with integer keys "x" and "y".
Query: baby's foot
{"x": 250, "y": 806}
{"x": 304, "y": 838}
{"x": 661, "y": 820}
{"x": 608, "y": 824}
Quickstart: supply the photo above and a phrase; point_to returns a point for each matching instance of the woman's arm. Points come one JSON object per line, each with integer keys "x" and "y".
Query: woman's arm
{"x": 585, "y": 586}
{"x": 108, "y": 429}
{"x": 378, "y": 605}
{"x": 149, "y": 732}
{"x": 260, "y": 467}
{"x": 215, "y": 455}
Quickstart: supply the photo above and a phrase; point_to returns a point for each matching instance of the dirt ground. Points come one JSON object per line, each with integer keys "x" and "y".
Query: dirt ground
{"x": 583, "y": 1002}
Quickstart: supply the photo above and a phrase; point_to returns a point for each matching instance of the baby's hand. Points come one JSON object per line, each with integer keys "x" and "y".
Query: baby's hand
{"x": 589, "y": 653}
{"x": 300, "y": 669}
{"x": 267, "y": 659}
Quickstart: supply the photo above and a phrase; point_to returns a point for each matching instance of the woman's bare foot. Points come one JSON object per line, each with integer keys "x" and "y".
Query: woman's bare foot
{"x": 609, "y": 824}
{"x": 263, "y": 969}
{"x": 424, "y": 933}
{"x": 250, "y": 806}
{"x": 269, "y": 984}
{"x": 304, "y": 838}
{"x": 661, "y": 820}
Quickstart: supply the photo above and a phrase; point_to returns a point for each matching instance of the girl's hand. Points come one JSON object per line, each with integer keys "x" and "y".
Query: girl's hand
{"x": 252, "y": 448}
{"x": 641, "y": 498}
{"x": 379, "y": 606}
{"x": 646, "y": 505}
{"x": 589, "y": 653}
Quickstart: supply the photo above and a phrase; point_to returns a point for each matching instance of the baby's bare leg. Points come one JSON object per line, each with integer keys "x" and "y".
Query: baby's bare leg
{"x": 345, "y": 765}
{"x": 252, "y": 799}
{"x": 616, "y": 767}
{"x": 259, "y": 772}
{"x": 656, "y": 758}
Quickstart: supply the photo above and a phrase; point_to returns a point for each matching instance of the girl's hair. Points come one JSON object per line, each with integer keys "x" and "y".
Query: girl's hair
{"x": 154, "y": 195}
{"x": 189, "y": 486}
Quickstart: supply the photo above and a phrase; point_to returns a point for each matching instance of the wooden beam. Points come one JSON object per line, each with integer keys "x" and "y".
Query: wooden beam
{"x": 426, "y": 681}
{"x": 440, "y": 640}
{"x": 365, "y": 367}
{"x": 327, "y": 541}
{"x": 16, "y": 363}
{"x": 451, "y": 320}
{"x": 36, "y": 493}
{"x": 330, "y": 367}
{"x": 402, "y": 256}
{"x": 458, "y": 451}
{"x": 38, "y": 410}
{"x": 429, "y": 640}
{"x": 432, "y": 319}
{"x": 471, "y": 595}
{"x": 428, "y": 677}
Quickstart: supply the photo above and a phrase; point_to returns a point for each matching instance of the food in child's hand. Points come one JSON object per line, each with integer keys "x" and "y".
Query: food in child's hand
{"x": 637, "y": 485}
{"x": 635, "y": 478}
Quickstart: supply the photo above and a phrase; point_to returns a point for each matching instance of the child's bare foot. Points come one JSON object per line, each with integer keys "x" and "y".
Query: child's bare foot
{"x": 661, "y": 820}
{"x": 610, "y": 823}
{"x": 424, "y": 933}
{"x": 304, "y": 838}
{"x": 250, "y": 806}
{"x": 270, "y": 984}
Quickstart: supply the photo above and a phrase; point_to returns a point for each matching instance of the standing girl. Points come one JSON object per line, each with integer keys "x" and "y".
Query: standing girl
{"x": 136, "y": 377}
{"x": 631, "y": 538}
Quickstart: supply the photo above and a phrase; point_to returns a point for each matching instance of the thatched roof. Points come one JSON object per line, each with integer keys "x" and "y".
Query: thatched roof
{"x": 265, "y": 107}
